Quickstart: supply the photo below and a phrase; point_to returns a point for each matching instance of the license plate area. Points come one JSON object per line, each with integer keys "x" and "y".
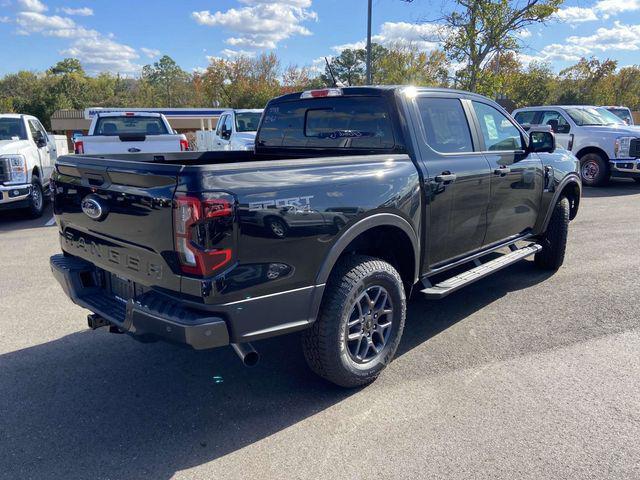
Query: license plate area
{"x": 122, "y": 288}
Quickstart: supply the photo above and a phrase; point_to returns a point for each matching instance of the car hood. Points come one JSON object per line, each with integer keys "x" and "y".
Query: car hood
{"x": 12, "y": 146}
{"x": 617, "y": 130}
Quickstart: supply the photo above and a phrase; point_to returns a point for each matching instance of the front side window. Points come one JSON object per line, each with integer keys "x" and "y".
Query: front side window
{"x": 497, "y": 130}
{"x": 12, "y": 129}
{"x": 591, "y": 116}
{"x": 445, "y": 124}
{"x": 556, "y": 121}
{"x": 220, "y": 124}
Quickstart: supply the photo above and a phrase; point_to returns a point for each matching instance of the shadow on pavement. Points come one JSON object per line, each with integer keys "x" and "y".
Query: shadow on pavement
{"x": 617, "y": 187}
{"x": 100, "y": 405}
{"x": 11, "y": 220}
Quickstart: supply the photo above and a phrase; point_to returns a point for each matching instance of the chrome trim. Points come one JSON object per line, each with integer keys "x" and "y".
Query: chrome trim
{"x": 272, "y": 295}
{"x": 8, "y": 188}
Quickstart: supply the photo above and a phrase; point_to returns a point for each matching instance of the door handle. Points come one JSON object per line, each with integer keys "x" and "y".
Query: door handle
{"x": 502, "y": 171}
{"x": 445, "y": 177}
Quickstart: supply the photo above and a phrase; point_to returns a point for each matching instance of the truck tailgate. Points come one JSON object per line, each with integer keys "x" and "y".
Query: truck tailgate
{"x": 118, "y": 215}
{"x": 100, "y": 144}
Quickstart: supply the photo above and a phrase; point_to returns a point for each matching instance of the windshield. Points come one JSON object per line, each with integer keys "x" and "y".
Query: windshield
{"x": 12, "y": 129}
{"x": 623, "y": 113}
{"x": 113, "y": 126}
{"x": 586, "y": 116}
{"x": 247, "y": 121}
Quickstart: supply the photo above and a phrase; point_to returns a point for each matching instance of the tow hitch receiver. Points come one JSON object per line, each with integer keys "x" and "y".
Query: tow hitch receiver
{"x": 96, "y": 321}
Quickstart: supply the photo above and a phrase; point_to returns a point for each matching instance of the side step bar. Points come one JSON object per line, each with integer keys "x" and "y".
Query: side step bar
{"x": 452, "y": 284}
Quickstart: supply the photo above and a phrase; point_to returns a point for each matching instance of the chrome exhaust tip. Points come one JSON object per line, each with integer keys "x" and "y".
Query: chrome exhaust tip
{"x": 247, "y": 354}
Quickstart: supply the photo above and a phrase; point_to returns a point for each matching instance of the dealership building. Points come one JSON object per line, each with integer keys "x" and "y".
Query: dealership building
{"x": 183, "y": 120}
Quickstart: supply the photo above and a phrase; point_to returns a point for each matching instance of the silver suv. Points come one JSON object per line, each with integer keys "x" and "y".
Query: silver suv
{"x": 605, "y": 145}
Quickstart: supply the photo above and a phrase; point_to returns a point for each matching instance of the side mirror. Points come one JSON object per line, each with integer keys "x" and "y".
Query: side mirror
{"x": 542, "y": 142}
{"x": 225, "y": 133}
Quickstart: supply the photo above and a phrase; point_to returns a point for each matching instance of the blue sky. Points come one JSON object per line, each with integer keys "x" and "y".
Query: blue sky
{"x": 121, "y": 36}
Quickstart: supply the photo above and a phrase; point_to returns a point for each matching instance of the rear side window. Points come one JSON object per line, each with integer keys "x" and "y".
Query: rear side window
{"x": 524, "y": 118}
{"x": 130, "y": 126}
{"x": 344, "y": 122}
{"x": 445, "y": 124}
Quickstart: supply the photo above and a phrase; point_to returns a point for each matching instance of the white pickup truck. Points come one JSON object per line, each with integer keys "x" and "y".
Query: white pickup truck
{"x": 27, "y": 156}
{"x": 236, "y": 129}
{"x": 605, "y": 145}
{"x": 130, "y": 132}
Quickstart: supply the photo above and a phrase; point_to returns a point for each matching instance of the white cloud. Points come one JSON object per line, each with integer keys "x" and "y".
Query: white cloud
{"x": 80, "y": 12}
{"x": 96, "y": 52}
{"x": 230, "y": 53}
{"x": 524, "y": 33}
{"x": 5, "y": 20}
{"x": 618, "y": 37}
{"x": 576, "y": 15}
{"x": 424, "y": 36}
{"x": 603, "y": 9}
{"x": 101, "y": 54}
{"x": 262, "y": 24}
{"x": 150, "y": 52}
{"x": 32, "y": 6}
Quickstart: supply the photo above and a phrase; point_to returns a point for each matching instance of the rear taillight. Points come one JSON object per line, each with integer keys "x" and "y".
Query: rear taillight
{"x": 79, "y": 147}
{"x": 203, "y": 228}
{"x": 184, "y": 145}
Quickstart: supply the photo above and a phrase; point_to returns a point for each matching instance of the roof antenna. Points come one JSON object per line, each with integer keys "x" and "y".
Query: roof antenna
{"x": 333, "y": 77}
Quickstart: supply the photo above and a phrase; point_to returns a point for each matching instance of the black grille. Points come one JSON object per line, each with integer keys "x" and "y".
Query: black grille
{"x": 4, "y": 171}
{"x": 634, "y": 149}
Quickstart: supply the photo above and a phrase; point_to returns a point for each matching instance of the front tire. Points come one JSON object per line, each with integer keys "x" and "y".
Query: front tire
{"x": 36, "y": 201}
{"x": 594, "y": 170}
{"x": 360, "y": 323}
{"x": 554, "y": 240}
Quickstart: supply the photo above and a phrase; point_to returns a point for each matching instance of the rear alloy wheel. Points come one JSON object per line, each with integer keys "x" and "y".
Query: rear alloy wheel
{"x": 277, "y": 227}
{"x": 360, "y": 323}
{"x": 594, "y": 170}
{"x": 36, "y": 201}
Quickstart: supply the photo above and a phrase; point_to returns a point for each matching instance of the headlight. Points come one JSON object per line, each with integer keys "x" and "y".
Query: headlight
{"x": 622, "y": 146}
{"x": 17, "y": 168}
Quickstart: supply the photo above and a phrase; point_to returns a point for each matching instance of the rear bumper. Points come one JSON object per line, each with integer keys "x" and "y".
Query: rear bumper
{"x": 151, "y": 315}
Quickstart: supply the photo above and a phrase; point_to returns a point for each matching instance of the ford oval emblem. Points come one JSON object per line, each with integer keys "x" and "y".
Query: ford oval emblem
{"x": 134, "y": 150}
{"x": 92, "y": 208}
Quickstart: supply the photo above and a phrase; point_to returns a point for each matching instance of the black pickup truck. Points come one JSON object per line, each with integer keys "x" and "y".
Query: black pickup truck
{"x": 352, "y": 198}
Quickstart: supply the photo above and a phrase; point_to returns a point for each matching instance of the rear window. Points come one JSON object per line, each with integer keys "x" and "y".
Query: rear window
{"x": 357, "y": 122}
{"x": 130, "y": 126}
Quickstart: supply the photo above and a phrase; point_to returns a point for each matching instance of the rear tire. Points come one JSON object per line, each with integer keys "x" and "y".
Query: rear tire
{"x": 594, "y": 170}
{"x": 554, "y": 240}
{"x": 36, "y": 200}
{"x": 360, "y": 323}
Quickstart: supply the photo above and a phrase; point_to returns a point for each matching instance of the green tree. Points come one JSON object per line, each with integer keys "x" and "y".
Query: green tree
{"x": 169, "y": 81}
{"x": 473, "y": 31}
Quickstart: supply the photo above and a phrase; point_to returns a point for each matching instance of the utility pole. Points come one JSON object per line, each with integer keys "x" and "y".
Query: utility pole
{"x": 369, "y": 76}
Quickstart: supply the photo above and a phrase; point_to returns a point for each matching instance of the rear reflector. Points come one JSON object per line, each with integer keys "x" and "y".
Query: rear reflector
{"x": 79, "y": 147}
{"x": 325, "y": 92}
{"x": 184, "y": 145}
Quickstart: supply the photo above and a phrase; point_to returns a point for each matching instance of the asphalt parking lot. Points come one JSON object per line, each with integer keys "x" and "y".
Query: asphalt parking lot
{"x": 522, "y": 375}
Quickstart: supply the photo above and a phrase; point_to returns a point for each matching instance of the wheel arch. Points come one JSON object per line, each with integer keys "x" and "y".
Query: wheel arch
{"x": 570, "y": 187}
{"x": 592, "y": 149}
{"x": 384, "y": 235}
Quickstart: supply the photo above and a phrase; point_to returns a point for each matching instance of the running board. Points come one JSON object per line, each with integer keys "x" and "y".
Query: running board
{"x": 452, "y": 284}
